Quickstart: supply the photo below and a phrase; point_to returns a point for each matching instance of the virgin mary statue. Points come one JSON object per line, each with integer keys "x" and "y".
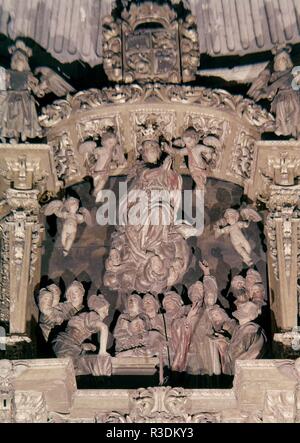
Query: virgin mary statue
{"x": 149, "y": 252}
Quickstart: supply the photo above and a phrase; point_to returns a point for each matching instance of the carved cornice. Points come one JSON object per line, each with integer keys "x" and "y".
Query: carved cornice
{"x": 218, "y": 99}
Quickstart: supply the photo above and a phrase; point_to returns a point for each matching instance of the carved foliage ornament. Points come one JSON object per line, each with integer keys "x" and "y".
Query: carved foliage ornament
{"x": 159, "y": 405}
{"x": 242, "y": 155}
{"x": 134, "y": 94}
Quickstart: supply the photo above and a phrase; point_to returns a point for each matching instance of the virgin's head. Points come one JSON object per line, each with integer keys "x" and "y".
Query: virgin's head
{"x": 151, "y": 151}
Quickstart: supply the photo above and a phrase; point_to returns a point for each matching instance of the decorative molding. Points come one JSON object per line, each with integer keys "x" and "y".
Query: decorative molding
{"x": 243, "y": 152}
{"x": 219, "y": 99}
{"x": 159, "y": 405}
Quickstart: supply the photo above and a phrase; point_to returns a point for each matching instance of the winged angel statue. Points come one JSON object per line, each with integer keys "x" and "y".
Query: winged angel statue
{"x": 72, "y": 215}
{"x": 18, "y": 115}
{"x": 276, "y": 81}
{"x": 231, "y": 225}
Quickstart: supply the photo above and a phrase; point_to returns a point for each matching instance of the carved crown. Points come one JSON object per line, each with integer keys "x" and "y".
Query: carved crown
{"x": 149, "y": 12}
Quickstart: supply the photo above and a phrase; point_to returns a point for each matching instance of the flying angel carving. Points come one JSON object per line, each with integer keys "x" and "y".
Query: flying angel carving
{"x": 231, "y": 225}
{"x": 72, "y": 215}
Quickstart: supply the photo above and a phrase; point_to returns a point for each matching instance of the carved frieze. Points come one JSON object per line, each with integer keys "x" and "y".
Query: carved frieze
{"x": 159, "y": 405}
{"x": 220, "y": 99}
{"x": 4, "y": 273}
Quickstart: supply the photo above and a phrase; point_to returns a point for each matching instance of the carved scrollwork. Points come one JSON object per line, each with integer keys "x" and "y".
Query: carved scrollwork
{"x": 243, "y": 155}
{"x": 66, "y": 163}
{"x": 159, "y": 404}
{"x": 94, "y": 128}
{"x": 56, "y": 112}
{"x": 210, "y": 98}
{"x": 30, "y": 407}
{"x": 112, "y": 48}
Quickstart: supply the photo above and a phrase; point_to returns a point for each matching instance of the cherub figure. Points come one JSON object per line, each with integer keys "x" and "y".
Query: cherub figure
{"x": 232, "y": 225}
{"x": 73, "y": 215}
{"x": 100, "y": 160}
{"x": 18, "y": 115}
{"x": 201, "y": 156}
{"x": 276, "y": 84}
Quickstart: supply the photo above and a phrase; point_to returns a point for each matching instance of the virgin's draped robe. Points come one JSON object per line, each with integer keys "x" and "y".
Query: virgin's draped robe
{"x": 147, "y": 256}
